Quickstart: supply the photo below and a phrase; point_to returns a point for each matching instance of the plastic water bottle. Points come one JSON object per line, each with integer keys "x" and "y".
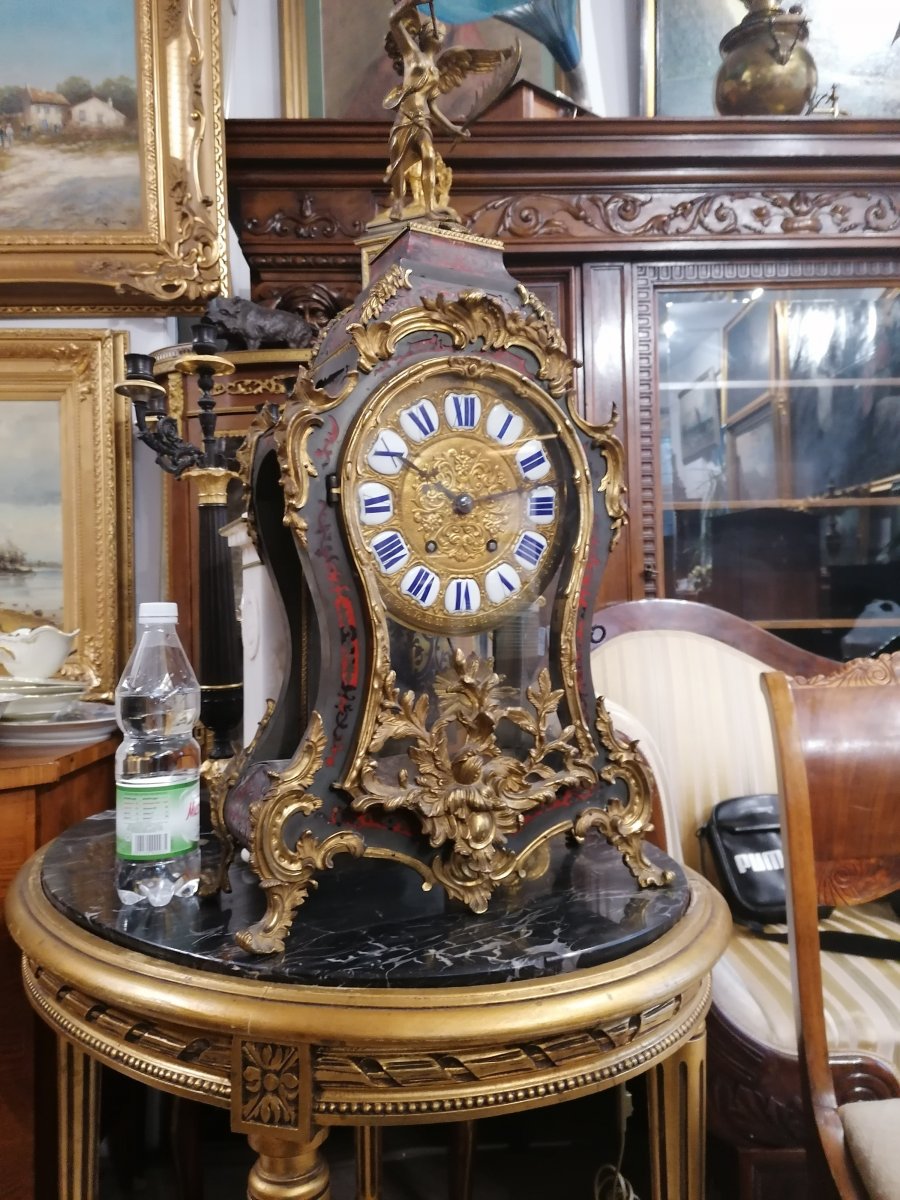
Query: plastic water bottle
{"x": 157, "y": 766}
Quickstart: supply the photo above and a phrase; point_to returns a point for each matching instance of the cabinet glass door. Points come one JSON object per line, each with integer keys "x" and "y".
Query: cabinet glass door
{"x": 780, "y": 459}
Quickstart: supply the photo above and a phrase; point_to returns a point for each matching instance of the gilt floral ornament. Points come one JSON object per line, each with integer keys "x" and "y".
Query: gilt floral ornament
{"x": 467, "y": 792}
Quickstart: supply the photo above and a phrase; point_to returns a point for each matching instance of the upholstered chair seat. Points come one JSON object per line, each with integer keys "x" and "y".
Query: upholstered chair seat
{"x": 706, "y": 733}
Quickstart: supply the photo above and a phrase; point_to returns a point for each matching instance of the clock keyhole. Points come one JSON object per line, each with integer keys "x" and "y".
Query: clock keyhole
{"x": 491, "y": 546}
{"x": 431, "y": 547}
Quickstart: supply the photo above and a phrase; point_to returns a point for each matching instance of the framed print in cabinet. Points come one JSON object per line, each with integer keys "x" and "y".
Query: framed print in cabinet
{"x": 65, "y": 494}
{"x": 111, "y": 163}
{"x": 753, "y": 453}
{"x": 856, "y": 56}
{"x": 748, "y": 354}
{"x": 334, "y": 65}
{"x": 700, "y": 416}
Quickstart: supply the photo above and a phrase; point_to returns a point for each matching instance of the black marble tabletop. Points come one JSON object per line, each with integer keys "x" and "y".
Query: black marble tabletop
{"x": 370, "y": 924}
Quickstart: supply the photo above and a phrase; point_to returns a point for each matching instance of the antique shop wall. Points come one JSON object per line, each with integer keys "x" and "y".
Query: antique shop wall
{"x": 253, "y": 88}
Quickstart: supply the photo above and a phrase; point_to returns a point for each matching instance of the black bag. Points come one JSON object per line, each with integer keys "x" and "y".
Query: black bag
{"x": 744, "y": 839}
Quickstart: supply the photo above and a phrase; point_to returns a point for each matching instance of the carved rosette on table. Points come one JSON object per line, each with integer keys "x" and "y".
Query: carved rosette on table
{"x": 451, "y": 510}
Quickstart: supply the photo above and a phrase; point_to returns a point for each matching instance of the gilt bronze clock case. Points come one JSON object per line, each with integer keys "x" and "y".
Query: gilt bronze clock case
{"x": 451, "y": 512}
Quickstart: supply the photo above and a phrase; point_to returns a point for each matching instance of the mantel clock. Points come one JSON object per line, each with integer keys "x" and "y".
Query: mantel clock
{"x": 434, "y": 487}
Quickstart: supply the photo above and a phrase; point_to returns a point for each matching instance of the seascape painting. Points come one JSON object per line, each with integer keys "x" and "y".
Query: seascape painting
{"x": 31, "y": 538}
{"x": 69, "y": 128}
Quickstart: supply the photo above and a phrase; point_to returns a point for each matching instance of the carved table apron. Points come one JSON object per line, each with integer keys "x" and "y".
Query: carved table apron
{"x": 375, "y": 1014}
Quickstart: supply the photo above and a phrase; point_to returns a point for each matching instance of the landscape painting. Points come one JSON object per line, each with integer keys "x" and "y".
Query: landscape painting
{"x": 112, "y": 164}
{"x": 65, "y": 494}
{"x": 69, "y": 129}
{"x": 31, "y": 531}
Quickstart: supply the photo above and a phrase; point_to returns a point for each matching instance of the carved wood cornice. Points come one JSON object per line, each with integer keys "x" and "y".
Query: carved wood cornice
{"x": 715, "y": 213}
{"x": 637, "y": 183}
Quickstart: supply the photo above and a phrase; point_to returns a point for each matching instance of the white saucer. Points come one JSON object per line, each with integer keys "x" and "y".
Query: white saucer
{"x": 34, "y": 699}
{"x": 76, "y": 732}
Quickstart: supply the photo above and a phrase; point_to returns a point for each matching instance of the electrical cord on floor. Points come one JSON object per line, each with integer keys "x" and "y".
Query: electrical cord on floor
{"x": 609, "y": 1182}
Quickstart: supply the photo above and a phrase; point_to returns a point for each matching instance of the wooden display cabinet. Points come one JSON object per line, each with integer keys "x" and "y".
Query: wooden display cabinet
{"x": 611, "y": 221}
{"x": 43, "y": 790}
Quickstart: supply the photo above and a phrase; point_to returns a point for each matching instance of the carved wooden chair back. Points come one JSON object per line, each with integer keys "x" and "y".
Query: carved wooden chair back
{"x": 837, "y": 746}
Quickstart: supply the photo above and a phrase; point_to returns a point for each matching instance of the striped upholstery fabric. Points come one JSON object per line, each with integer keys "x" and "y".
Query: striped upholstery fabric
{"x": 700, "y": 704}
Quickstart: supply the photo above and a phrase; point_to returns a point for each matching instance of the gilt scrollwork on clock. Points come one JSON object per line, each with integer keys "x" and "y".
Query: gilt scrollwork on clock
{"x": 296, "y": 465}
{"x": 470, "y": 316}
{"x": 286, "y": 866}
{"x": 219, "y": 776}
{"x": 264, "y": 421}
{"x": 612, "y": 485}
{"x": 743, "y": 213}
{"x": 385, "y": 289}
{"x": 624, "y": 822}
{"x": 467, "y": 792}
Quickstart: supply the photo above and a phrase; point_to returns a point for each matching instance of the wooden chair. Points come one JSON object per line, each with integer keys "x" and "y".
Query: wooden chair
{"x": 837, "y": 744}
{"x": 690, "y": 675}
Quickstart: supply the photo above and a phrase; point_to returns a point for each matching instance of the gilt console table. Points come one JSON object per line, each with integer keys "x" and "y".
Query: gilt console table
{"x": 388, "y": 1006}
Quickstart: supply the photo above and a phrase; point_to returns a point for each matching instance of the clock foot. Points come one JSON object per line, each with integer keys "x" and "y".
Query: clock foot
{"x": 284, "y": 896}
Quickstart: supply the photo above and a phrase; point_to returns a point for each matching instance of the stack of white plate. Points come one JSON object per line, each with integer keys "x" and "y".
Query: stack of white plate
{"x": 51, "y": 710}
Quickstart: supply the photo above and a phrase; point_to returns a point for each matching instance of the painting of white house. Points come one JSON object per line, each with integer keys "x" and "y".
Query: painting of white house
{"x": 69, "y": 128}
{"x": 31, "y": 539}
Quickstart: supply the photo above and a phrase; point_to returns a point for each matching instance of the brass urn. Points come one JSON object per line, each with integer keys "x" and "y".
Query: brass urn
{"x": 767, "y": 69}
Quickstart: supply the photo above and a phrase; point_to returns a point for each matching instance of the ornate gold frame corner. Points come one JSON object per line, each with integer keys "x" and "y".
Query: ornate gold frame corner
{"x": 176, "y": 259}
{"x": 78, "y": 369}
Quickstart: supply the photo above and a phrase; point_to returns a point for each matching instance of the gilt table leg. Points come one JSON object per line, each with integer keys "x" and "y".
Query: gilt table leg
{"x": 78, "y": 1078}
{"x": 286, "y": 1169}
{"x": 676, "y": 1098}
{"x": 368, "y": 1162}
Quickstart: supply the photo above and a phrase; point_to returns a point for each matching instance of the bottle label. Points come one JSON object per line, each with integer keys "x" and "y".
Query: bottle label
{"x": 157, "y": 820}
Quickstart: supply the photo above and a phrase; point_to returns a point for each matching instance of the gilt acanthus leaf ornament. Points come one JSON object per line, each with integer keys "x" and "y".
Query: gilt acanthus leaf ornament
{"x": 466, "y": 318}
{"x": 467, "y": 791}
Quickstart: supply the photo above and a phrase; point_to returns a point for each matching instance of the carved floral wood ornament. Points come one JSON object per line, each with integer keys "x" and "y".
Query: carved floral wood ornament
{"x": 452, "y": 512}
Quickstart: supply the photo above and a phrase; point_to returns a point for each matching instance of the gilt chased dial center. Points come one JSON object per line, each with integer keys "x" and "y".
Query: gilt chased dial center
{"x": 453, "y": 494}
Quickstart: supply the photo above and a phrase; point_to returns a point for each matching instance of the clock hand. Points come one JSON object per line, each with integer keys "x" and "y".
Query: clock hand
{"x": 517, "y": 491}
{"x": 426, "y": 475}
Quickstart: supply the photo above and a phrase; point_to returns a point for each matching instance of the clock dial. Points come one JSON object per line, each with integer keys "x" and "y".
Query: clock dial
{"x": 459, "y": 495}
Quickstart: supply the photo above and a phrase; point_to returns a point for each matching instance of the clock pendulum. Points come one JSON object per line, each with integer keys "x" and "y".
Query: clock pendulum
{"x": 432, "y": 484}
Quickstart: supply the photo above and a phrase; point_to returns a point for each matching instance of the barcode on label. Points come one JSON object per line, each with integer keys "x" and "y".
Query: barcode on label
{"x": 150, "y": 843}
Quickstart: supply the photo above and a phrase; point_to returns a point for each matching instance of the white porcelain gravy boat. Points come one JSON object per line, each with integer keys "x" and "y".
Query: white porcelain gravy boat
{"x": 35, "y": 653}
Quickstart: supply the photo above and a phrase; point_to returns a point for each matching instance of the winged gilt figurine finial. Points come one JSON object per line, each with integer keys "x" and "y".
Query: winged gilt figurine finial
{"x": 418, "y": 176}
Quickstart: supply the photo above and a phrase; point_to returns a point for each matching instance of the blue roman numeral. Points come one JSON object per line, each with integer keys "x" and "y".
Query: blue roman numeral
{"x": 509, "y": 584}
{"x": 377, "y": 504}
{"x": 464, "y": 407}
{"x": 390, "y": 549}
{"x": 529, "y": 549}
{"x": 541, "y": 506}
{"x": 421, "y": 418}
{"x": 503, "y": 428}
{"x": 421, "y": 584}
{"x": 533, "y": 461}
{"x": 462, "y": 598}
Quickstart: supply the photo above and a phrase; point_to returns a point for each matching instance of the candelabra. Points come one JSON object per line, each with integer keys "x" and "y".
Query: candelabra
{"x": 220, "y": 668}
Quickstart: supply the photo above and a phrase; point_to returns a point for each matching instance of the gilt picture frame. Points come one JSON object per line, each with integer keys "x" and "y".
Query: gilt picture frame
{"x": 123, "y": 97}
{"x": 66, "y": 494}
{"x": 334, "y": 65}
